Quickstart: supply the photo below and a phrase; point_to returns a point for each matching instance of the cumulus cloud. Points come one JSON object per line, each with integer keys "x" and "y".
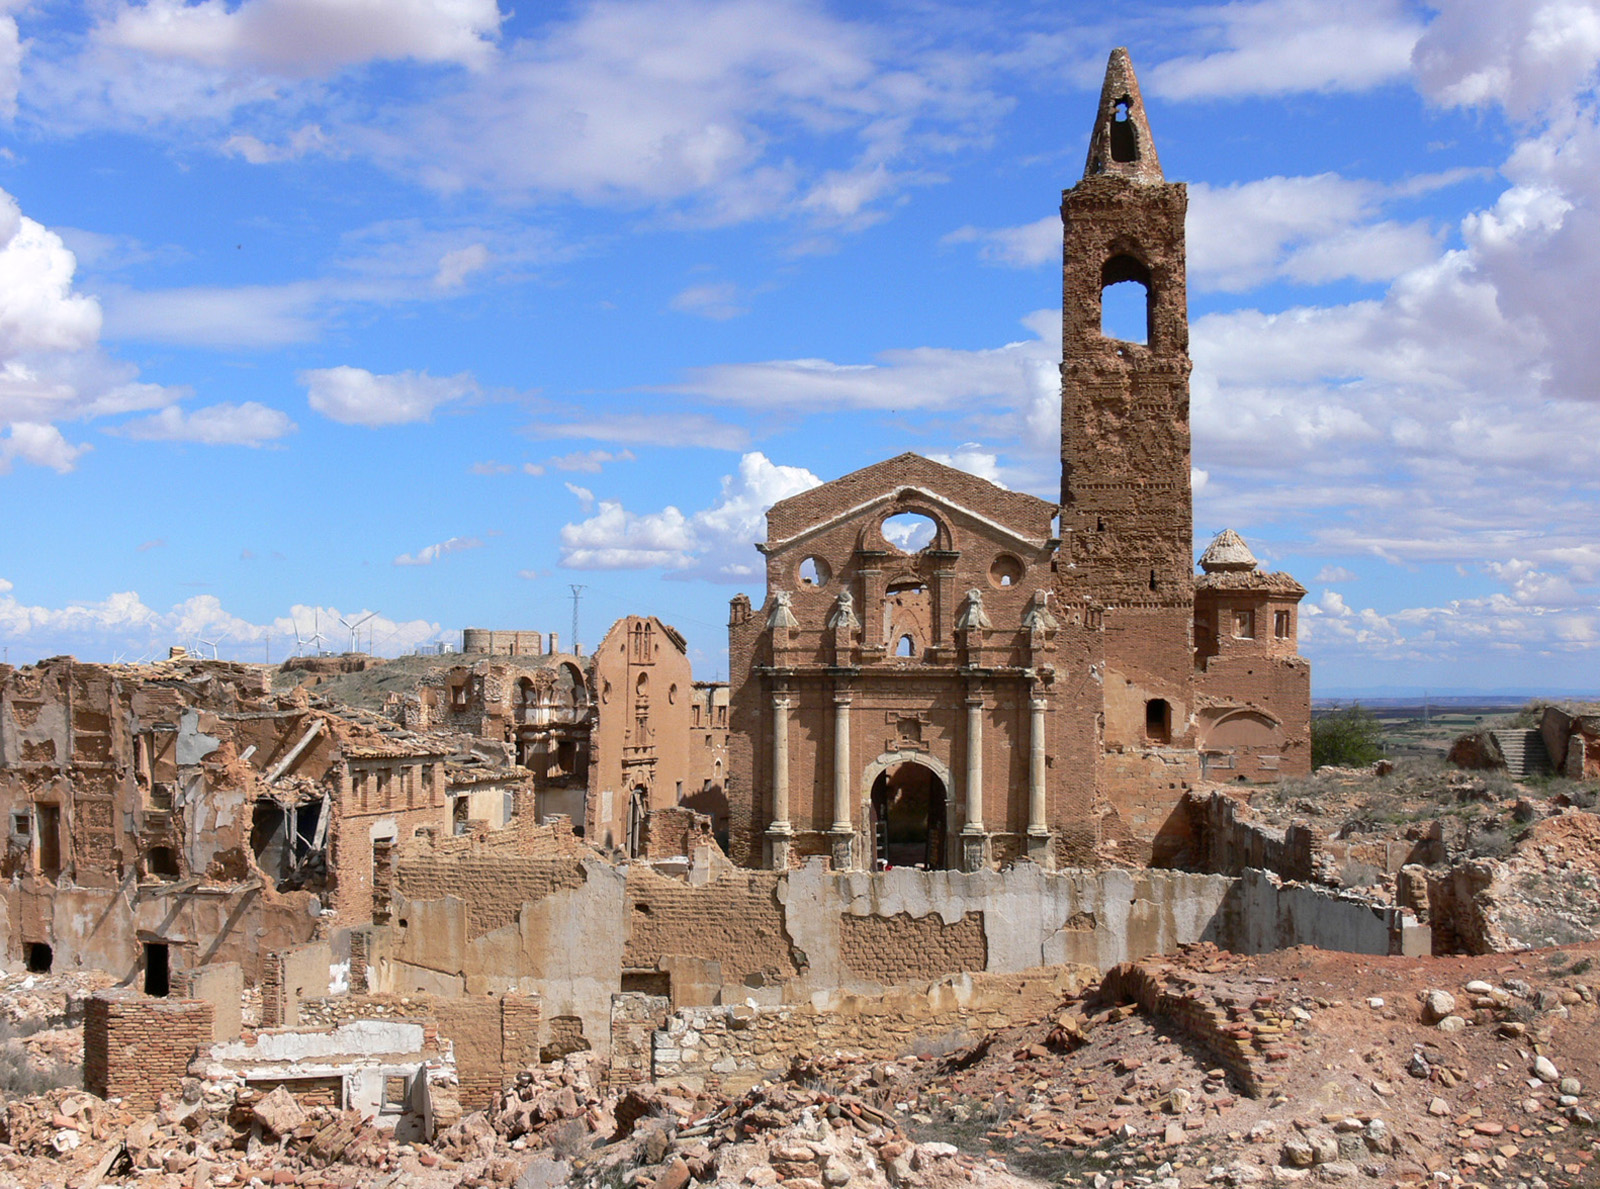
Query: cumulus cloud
{"x": 972, "y": 458}
{"x": 355, "y": 396}
{"x": 122, "y": 626}
{"x": 41, "y": 445}
{"x": 247, "y": 424}
{"x": 716, "y": 543}
{"x": 427, "y": 555}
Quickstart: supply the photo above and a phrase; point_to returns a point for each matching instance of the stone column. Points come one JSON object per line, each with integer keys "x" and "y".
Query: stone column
{"x": 974, "y": 842}
{"x": 843, "y": 831}
{"x": 780, "y": 831}
{"x": 1039, "y": 848}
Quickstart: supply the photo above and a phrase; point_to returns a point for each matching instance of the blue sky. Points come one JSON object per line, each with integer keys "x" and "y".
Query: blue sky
{"x": 431, "y": 308}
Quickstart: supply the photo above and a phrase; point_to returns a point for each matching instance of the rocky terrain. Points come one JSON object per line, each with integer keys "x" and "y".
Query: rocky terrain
{"x": 1205, "y": 1068}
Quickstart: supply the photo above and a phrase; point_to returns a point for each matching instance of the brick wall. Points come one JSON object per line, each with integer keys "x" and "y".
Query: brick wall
{"x": 903, "y": 949}
{"x": 493, "y": 886}
{"x": 138, "y": 1049}
{"x": 735, "y": 920}
{"x": 635, "y": 1017}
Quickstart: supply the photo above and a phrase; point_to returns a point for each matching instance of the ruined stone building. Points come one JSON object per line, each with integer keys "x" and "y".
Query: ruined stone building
{"x": 1025, "y": 678}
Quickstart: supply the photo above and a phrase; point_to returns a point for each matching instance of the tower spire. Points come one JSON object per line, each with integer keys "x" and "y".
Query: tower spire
{"x": 1121, "y": 143}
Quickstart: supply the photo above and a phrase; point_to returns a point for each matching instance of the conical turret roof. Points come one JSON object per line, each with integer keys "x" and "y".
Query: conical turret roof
{"x": 1121, "y": 143}
{"x": 1227, "y": 552}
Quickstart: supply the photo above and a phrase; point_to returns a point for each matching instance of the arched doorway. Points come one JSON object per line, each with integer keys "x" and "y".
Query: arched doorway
{"x": 908, "y": 817}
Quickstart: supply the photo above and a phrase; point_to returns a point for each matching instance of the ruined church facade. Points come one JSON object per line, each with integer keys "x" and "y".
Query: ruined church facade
{"x": 1028, "y": 678}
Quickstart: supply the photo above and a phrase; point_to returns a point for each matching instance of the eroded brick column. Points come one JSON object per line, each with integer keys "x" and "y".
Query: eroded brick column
{"x": 843, "y": 829}
{"x": 780, "y": 830}
{"x": 973, "y": 840}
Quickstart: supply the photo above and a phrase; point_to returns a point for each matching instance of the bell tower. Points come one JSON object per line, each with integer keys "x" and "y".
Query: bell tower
{"x": 1126, "y": 512}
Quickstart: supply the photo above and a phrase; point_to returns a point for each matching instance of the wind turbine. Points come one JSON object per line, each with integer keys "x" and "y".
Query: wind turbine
{"x": 214, "y": 643}
{"x": 354, "y": 626}
{"x": 316, "y": 636}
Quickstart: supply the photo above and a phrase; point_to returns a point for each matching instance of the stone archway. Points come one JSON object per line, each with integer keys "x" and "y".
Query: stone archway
{"x": 906, "y": 802}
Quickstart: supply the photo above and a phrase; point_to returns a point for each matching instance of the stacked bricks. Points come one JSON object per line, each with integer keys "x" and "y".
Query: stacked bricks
{"x": 735, "y": 920}
{"x": 635, "y": 1018}
{"x": 905, "y": 949}
{"x": 1241, "y": 1030}
{"x": 137, "y": 1049}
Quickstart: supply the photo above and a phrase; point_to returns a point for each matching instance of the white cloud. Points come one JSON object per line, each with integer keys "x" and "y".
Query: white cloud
{"x": 122, "y": 625}
{"x": 304, "y": 37}
{"x": 458, "y": 264}
{"x": 1278, "y": 47}
{"x": 718, "y": 301}
{"x": 217, "y": 316}
{"x": 247, "y": 424}
{"x": 10, "y": 66}
{"x": 307, "y": 139}
{"x": 685, "y": 428}
{"x": 588, "y": 461}
{"x": 974, "y": 459}
{"x": 355, "y": 396}
{"x": 1336, "y": 574}
{"x": 1027, "y": 246}
{"x": 1524, "y": 56}
{"x": 432, "y": 553}
{"x": 584, "y": 495}
{"x": 716, "y": 543}
{"x": 41, "y": 445}
{"x": 491, "y": 467}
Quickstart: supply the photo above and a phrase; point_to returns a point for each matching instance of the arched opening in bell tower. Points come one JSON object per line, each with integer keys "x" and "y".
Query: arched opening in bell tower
{"x": 1126, "y": 300}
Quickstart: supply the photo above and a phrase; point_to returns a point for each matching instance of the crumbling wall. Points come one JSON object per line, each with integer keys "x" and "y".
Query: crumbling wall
{"x": 1262, "y": 913}
{"x": 138, "y": 1049}
{"x": 491, "y": 884}
{"x": 289, "y": 977}
{"x": 736, "y": 921}
{"x": 731, "y": 1048}
{"x": 674, "y": 831}
{"x": 222, "y": 986}
{"x": 1228, "y": 845}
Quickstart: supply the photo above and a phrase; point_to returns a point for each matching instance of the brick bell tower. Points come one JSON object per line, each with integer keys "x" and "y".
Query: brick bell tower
{"x": 1126, "y": 512}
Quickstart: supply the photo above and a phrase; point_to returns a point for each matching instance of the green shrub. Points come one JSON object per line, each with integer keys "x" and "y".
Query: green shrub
{"x": 1348, "y": 738}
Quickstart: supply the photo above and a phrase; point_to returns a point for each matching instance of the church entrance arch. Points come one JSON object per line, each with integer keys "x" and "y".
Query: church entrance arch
{"x": 907, "y": 798}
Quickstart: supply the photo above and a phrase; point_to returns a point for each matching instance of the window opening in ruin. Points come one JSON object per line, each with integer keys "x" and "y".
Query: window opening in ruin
{"x": 157, "y": 972}
{"x": 814, "y": 572}
{"x": 21, "y": 823}
{"x": 382, "y": 872}
{"x": 49, "y": 818}
{"x": 910, "y": 532}
{"x": 906, "y": 647}
{"x": 908, "y": 818}
{"x": 1158, "y": 720}
{"x": 460, "y": 808}
{"x": 40, "y": 958}
{"x": 1152, "y": 580}
{"x": 161, "y": 862}
{"x": 1244, "y": 625}
{"x": 1124, "y": 136}
{"x": 636, "y": 813}
{"x": 394, "y": 1094}
{"x": 1005, "y": 571}
{"x": 1126, "y": 298}
{"x": 458, "y": 695}
{"x": 1280, "y": 624}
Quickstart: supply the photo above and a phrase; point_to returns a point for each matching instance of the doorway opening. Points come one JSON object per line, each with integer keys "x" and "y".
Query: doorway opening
{"x": 157, "y": 971}
{"x": 908, "y": 818}
{"x": 637, "y": 808}
{"x": 40, "y": 958}
{"x": 49, "y": 817}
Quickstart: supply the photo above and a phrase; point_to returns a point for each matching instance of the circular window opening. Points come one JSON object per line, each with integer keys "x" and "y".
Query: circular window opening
{"x": 1006, "y": 571}
{"x": 814, "y": 572}
{"x": 910, "y": 532}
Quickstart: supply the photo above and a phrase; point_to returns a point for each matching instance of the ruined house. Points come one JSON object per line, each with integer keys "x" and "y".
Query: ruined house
{"x": 1024, "y": 678}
